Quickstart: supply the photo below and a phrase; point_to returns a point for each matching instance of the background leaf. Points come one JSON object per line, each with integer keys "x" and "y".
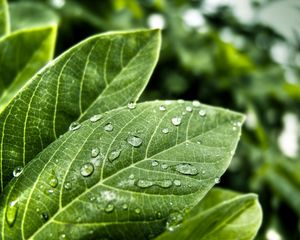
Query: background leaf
{"x": 221, "y": 214}
{"x": 103, "y": 72}
{"x": 122, "y": 176}
{"x": 22, "y": 54}
{"x": 4, "y": 18}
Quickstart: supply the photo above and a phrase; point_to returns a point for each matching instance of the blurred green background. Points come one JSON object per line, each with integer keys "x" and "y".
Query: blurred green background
{"x": 238, "y": 54}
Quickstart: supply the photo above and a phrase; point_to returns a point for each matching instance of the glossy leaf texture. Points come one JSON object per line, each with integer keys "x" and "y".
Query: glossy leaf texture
{"x": 101, "y": 73}
{"x": 22, "y": 54}
{"x": 28, "y": 15}
{"x": 221, "y": 214}
{"x": 4, "y": 18}
{"x": 120, "y": 176}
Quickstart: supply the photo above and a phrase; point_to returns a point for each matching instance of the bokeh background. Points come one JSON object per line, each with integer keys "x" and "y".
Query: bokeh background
{"x": 238, "y": 54}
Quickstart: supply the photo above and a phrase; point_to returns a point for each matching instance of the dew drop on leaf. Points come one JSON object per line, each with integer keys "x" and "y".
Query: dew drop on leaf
{"x": 74, "y": 126}
{"x": 177, "y": 183}
{"x": 17, "y": 171}
{"x": 162, "y": 108}
{"x": 144, "y": 183}
{"x": 180, "y": 101}
{"x": 137, "y": 210}
{"x": 87, "y": 169}
{"x": 108, "y": 127}
{"x": 165, "y": 183}
{"x": 114, "y": 154}
{"x": 131, "y": 105}
{"x": 165, "y": 130}
{"x": 11, "y": 212}
{"x": 95, "y": 152}
{"x": 134, "y": 141}
{"x": 125, "y": 206}
{"x": 96, "y": 118}
{"x": 217, "y": 180}
{"x": 186, "y": 169}
{"x": 154, "y": 163}
{"x": 174, "y": 220}
{"x": 131, "y": 176}
{"x": 189, "y": 109}
{"x": 53, "y": 182}
{"x": 164, "y": 166}
{"x": 176, "y": 121}
{"x": 196, "y": 103}
{"x": 45, "y": 216}
{"x": 63, "y": 237}
{"x": 68, "y": 186}
{"x": 202, "y": 113}
{"x": 158, "y": 214}
{"x": 109, "y": 208}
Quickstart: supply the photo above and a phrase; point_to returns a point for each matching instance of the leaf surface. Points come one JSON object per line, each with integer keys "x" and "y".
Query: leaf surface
{"x": 120, "y": 177}
{"x": 221, "y": 214}
{"x": 4, "y": 18}
{"x": 22, "y": 54}
{"x": 101, "y": 73}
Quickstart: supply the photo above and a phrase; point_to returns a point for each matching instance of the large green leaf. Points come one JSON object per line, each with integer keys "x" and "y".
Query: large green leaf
{"x": 22, "y": 54}
{"x": 4, "y": 18}
{"x": 220, "y": 215}
{"x": 120, "y": 177}
{"x": 28, "y": 15}
{"x": 101, "y": 73}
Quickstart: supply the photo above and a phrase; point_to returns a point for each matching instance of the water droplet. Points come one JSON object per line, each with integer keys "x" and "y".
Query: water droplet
{"x": 96, "y": 118}
{"x": 95, "y": 152}
{"x": 108, "y": 127}
{"x": 87, "y": 169}
{"x": 158, "y": 214}
{"x": 125, "y": 206}
{"x": 189, "y": 109}
{"x": 234, "y": 128}
{"x": 114, "y": 154}
{"x": 50, "y": 191}
{"x": 164, "y": 183}
{"x": 199, "y": 142}
{"x": 144, "y": 183}
{"x": 17, "y": 171}
{"x": 131, "y": 105}
{"x": 137, "y": 211}
{"x": 203, "y": 171}
{"x": 176, "y": 121}
{"x": 53, "y": 182}
{"x": 68, "y": 186}
{"x": 186, "y": 169}
{"x": 162, "y": 108}
{"x": 74, "y": 126}
{"x": 109, "y": 208}
{"x": 196, "y": 103}
{"x": 174, "y": 220}
{"x": 202, "y": 113}
{"x": 45, "y": 216}
{"x": 165, "y": 130}
{"x": 164, "y": 166}
{"x": 180, "y": 101}
{"x": 168, "y": 102}
{"x": 177, "y": 183}
{"x": 217, "y": 180}
{"x": 134, "y": 141}
{"x": 154, "y": 163}
{"x": 62, "y": 237}
{"x": 131, "y": 176}
{"x": 11, "y": 212}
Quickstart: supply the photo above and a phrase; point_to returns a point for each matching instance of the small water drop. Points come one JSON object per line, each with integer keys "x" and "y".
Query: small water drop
{"x": 96, "y": 118}
{"x": 108, "y": 127}
{"x": 158, "y": 214}
{"x": 11, "y": 212}
{"x": 131, "y": 176}
{"x": 53, "y": 182}
{"x": 196, "y": 103}
{"x": 114, "y": 154}
{"x": 174, "y": 220}
{"x": 154, "y": 163}
{"x": 180, "y": 101}
{"x": 186, "y": 169}
{"x": 144, "y": 183}
{"x": 165, "y": 130}
{"x": 189, "y": 109}
{"x": 131, "y": 105}
{"x": 50, "y": 191}
{"x": 68, "y": 186}
{"x": 17, "y": 171}
{"x": 45, "y": 216}
{"x": 62, "y": 237}
{"x": 134, "y": 141}
{"x": 162, "y": 108}
{"x": 164, "y": 183}
{"x": 137, "y": 211}
{"x": 95, "y": 152}
{"x": 202, "y": 113}
{"x": 168, "y": 102}
{"x": 203, "y": 172}
{"x": 234, "y": 128}
{"x": 177, "y": 183}
{"x": 87, "y": 169}
{"x": 217, "y": 180}
{"x": 164, "y": 166}
{"x": 109, "y": 208}
{"x": 176, "y": 121}
{"x": 74, "y": 126}
{"x": 125, "y": 206}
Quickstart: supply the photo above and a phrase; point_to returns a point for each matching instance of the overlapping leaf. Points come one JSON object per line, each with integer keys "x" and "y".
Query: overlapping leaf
{"x": 4, "y": 18}
{"x": 121, "y": 175}
{"x": 220, "y": 215}
{"x": 103, "y": 72}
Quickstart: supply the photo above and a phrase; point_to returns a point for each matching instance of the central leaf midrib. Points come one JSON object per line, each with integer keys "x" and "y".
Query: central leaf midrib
{"x": 100, "y": 182}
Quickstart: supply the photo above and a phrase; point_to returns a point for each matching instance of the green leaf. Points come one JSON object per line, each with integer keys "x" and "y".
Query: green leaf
{"x": 221, "y": 214}
{"x": 120, "y": 177}
{"x": 22, "y": 54}
{"x": 101, "y": 73}
{"x": 4, "y": 18}
{"x": 28, "y": 15}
